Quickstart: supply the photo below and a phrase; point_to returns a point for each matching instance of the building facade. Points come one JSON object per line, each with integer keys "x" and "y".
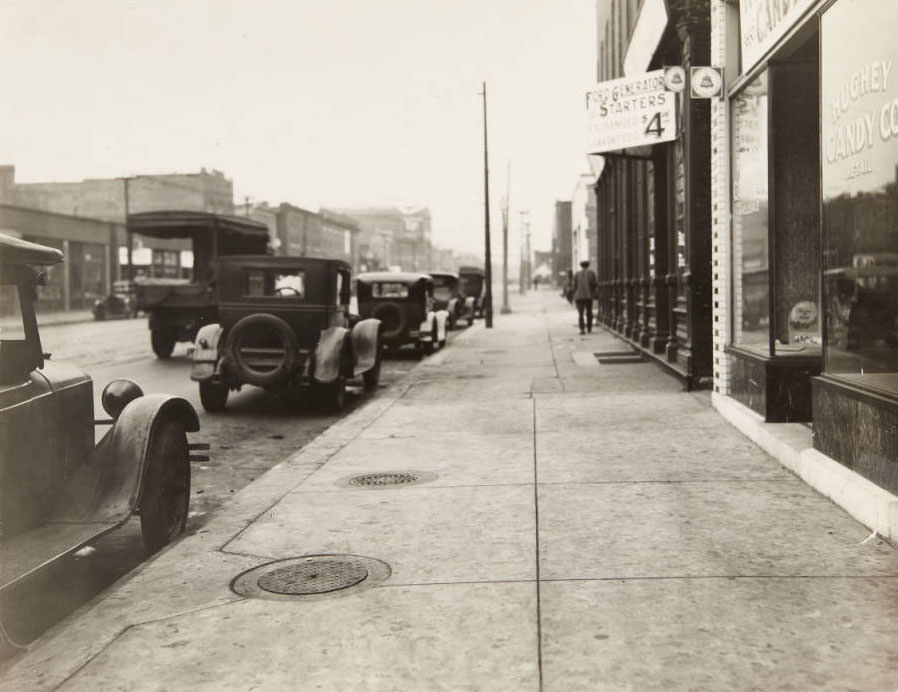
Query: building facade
{"x": 90, "y": 249}
{"x": 110, "y": 199}
{"x": 562, "y": 234}
{"x": 805, "y": 231}
{"x": 392, "y": 237}
{"x": 653, "y": 194}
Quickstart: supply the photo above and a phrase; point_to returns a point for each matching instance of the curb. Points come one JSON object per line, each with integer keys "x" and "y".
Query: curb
{"x": 792, "y": 445}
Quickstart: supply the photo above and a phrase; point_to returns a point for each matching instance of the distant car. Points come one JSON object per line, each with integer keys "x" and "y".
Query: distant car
{"x": 404, "y": 304}
{"x": 119, "y": 303}
{"x": 447, "y": 295}
{"x": 60, "y": 491}
{"x": 284, "y": 324}
{"x": 473, "y": 285}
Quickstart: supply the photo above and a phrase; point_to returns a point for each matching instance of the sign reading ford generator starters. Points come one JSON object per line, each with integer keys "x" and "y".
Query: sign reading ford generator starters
{"x": 630, "y": 112}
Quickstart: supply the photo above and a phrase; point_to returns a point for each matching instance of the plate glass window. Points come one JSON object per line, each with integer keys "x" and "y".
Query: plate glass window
{"x": 859, "y": 159}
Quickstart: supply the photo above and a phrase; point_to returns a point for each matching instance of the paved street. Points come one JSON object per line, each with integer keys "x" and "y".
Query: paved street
{"x": 558, "y": 524}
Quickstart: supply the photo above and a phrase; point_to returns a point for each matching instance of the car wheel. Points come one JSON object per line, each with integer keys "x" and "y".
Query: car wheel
{"x": 166, "y": 488}
{"x": 100, "y": 314}
{"x": 163, "y": 342}
{"x": 213, "y": 396}
{"x": 371, "y": 377}
{"x": 334, "y": 395}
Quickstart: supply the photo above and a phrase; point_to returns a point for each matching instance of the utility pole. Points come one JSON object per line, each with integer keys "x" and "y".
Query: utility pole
{"x": 526, "y": 269}
{"x": 505, "y": 308}
{"x": 487, "y": 269}
{"x": 127, "y": 183}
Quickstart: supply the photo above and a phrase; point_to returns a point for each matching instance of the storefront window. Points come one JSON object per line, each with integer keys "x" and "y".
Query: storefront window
{"x": 859, "y": 109}
{"x": 751, "y": 304}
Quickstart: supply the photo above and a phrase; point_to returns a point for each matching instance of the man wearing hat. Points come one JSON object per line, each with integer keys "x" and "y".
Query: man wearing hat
{"x": 585, "y": 285}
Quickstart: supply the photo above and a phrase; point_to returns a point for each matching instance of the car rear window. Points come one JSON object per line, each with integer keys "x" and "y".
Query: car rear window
{"x": 389, "y": 290}
{"x": 274, "y": 283}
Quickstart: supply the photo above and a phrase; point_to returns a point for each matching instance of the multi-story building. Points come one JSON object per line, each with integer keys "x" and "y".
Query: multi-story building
{"x": 562, "y": 235}
{"x": 804, "y": 181}
{"x": 110, "y": 199}
{"x": 653, "y": 194}
{"x": 583, "y": 221}
{"x": 392, "y": 237}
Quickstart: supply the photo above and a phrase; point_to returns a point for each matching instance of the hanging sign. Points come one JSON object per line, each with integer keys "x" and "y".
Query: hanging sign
{"x": 705, "y": 82}
{"x": 764, "y": 22}
{"x": 630, "y": 112}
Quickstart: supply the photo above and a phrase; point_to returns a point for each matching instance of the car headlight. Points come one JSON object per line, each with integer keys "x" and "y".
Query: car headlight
{"x": 118, "y": 394}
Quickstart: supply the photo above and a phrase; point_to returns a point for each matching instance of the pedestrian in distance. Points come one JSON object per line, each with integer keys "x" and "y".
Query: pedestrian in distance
{"x": 585, "y": 285}
{"x": 567, "y": 291}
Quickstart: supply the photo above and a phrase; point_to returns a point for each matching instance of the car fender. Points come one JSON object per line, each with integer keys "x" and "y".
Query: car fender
{"x": 331, "y": 355}
{"x": 453, "y": 306}
{"x": 442, "y": 318}
{"x": 425, "y": 331}
{"x": 204, "y": 361}
{"x": 366, "y": 344}
{"x": 123, "y": 454}
{"x": 470, "y": 305}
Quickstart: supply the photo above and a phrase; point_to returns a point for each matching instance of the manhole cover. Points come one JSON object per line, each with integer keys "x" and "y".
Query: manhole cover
{"x": 314, "y": 576}
{"x": 311, "y": 577}
{"x": 387, "y": 479}
{"x": 384, "y": 479}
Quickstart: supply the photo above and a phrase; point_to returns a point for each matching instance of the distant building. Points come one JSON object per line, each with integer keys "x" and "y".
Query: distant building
{"x": 561, "y": 239}
{"x": 108, "y": 200}
{"x": 583, "y": 221}
{"x": 392, "y": 237}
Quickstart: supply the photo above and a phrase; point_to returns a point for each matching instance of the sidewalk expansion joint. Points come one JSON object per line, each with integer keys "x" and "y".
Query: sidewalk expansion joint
{"x": 337, "y": 449}
{"x": 784, "y": 479}
{"x": 729, "y": 577}
{"x": 133, "y": 626}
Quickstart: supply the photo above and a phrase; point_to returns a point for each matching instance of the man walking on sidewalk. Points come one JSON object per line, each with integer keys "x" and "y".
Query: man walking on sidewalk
{"x": 585, "y": 285}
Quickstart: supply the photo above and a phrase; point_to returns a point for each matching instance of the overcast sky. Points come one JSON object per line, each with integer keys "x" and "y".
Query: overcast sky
{"x": 331, "y": 103}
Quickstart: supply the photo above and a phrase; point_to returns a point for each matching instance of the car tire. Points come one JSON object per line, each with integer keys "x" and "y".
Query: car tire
{"x": 100, "y": 314}
{"x": 165, "y": 495}
{"x": 214, "y": 396}
{"x": 262, "y": 378}
{"x": 163, "y": 341}
{"x": 371, "y": 378}
{"x": 334, "y": 395}
{"x": 393, "y": 318}
{"x": 431, "y": 346}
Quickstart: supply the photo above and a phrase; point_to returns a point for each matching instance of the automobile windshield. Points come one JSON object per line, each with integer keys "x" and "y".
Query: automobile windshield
{"x": 389, "y": 289}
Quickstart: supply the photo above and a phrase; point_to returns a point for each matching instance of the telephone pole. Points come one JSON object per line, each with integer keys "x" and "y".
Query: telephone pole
{"x": 487, "y": 269}
{"x": 505, "y": 308}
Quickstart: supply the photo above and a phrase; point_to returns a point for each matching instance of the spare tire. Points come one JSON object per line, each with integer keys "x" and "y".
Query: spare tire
{"x": 393, "y": 319}
{"x": 262, "y": 349}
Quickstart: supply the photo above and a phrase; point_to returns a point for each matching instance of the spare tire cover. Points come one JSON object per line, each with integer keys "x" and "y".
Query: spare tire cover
{"x": 393, "y": 319}
{"x": 270, "y": 373}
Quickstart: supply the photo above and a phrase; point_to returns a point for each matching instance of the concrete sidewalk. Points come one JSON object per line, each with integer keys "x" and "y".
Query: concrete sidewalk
{"x": 567, "y": 525}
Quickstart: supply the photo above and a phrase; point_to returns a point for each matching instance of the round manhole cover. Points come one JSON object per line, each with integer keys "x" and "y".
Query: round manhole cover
{"x": 311, "y": 577}
{"x": 384, "y": 479}
{"x": 314, "y": 576}
{"x": 387, "y": 479}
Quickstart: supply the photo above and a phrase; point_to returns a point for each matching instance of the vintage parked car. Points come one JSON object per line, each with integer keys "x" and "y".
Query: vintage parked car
{"x": 473, "y": 285}
{"x": 404, "y": 304}
{"x": 178, "y": 307}
{"x": 119, "y": 303}
{"x": 448, "y": 296}
{"x": 285, "y": 324}
{"x": 58, "y": 489}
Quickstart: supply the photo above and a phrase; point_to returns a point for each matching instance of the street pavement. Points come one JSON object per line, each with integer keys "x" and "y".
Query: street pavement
{"x": 567, "y": 525}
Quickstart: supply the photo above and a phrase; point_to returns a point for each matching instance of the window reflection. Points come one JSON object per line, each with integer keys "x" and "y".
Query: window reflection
{"x": 860, "y": 194}
{"x": 750, "y": 198}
